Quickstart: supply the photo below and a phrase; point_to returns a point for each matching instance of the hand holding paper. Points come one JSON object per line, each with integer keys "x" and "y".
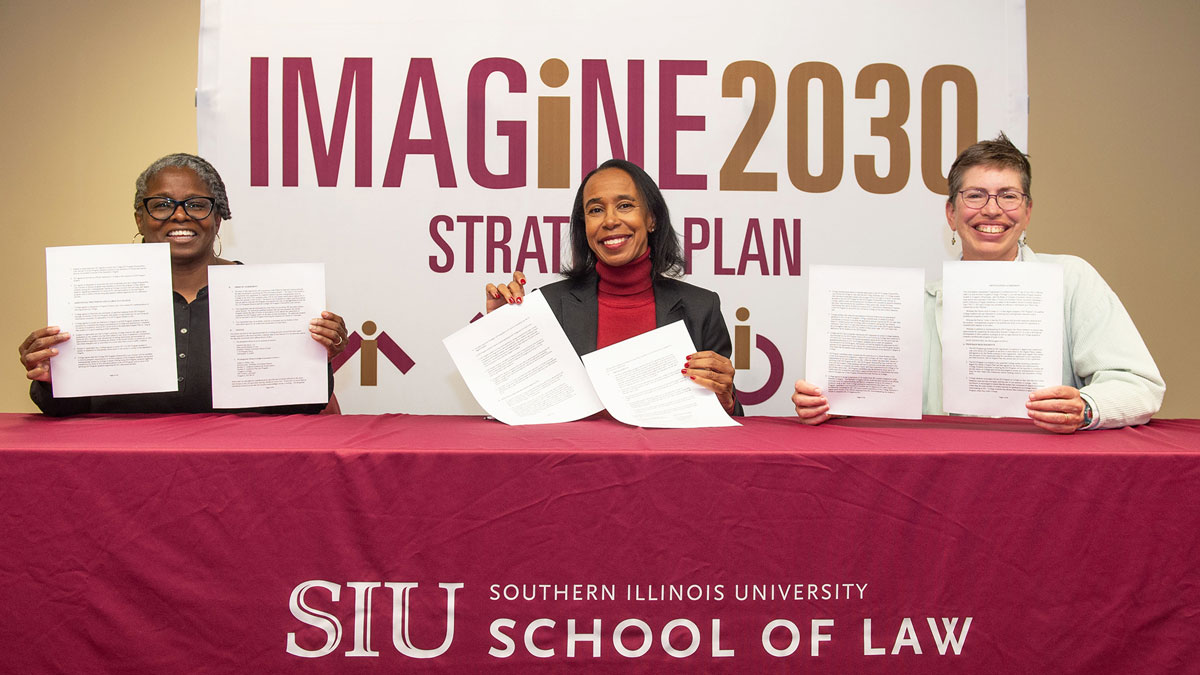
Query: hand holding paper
{"x": 115, "y": 302}
{"x": 37, "y": 350}
{"x": 864, "y": 343}
{"x": 521, "y": 367}
{"x": 639, "y": 382}
{"x": 262, "y": 350}
{"x": 1001, "y": 336}
{"x": 715, "y": 373}
{"x": 499, "y": 295}
{"x": 330, "y": 331}
{"x": 811, "y": 405}
{"x": 1058, "y": 409}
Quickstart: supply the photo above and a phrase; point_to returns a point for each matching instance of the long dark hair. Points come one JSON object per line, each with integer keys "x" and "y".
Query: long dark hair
{"x": 666, "y": 256}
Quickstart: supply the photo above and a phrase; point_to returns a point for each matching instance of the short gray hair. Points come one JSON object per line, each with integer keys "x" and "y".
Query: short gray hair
{"x": 199, "y": 166}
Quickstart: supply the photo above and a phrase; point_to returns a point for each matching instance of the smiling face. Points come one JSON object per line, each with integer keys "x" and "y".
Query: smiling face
{"x": 616, "y": 219}
{"x": 191, "y": 240}
{"x": 989, "y": 232}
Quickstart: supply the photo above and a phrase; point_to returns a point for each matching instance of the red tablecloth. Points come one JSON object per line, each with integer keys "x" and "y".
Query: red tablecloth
{"x": 217, "y": 543}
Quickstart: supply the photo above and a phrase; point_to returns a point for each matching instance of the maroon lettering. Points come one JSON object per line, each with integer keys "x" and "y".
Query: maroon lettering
{"x": 691, "y": 243}
{"x": 719, "y": 267}
{"x": 470, "y": 222}
{"x": 531, "y": 235}
{"x": 434, "y": 224}
{"x": 670, "y": 123}
{"x": 499, "y": 232}
{"x": 477, "y": 123}
{"x": 356, "y": 78}
{"x": 420, "y": 77}
{"x": 753, "y": 238}
{"x": 557, "y": 224}
{"x": 597, "y": 87}
{"x": 784, "y": 247}
{"x": 260, "y": 163}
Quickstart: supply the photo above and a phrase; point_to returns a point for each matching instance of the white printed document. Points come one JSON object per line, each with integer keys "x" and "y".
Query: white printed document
{"x": 640, "y": 382}
{"x": 262, "y": 351}
{"x": 520, "y": 366}
{"x": 1002, "y": 331}
{"x": 865, "y": 344}
{"x": 115, "y": 301}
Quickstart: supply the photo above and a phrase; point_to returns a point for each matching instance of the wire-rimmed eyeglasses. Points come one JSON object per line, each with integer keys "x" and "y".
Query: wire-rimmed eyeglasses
{"x": 1007, "y": 200}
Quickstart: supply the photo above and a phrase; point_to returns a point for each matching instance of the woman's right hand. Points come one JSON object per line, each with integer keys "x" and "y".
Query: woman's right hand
{"x": 37, "y": 350}
{"x": 505, "y": 294}
{"x": 811, "y": 406}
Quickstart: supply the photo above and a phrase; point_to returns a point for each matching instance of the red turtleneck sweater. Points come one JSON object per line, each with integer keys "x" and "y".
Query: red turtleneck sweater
{"x": 626, "y": 297}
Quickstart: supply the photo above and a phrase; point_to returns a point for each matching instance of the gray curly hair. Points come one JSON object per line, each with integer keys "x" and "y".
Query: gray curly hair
{"x": 200, "y": 166}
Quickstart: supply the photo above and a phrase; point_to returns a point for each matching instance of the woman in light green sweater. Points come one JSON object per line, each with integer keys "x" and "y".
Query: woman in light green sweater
{"x": 1109, "y": 377}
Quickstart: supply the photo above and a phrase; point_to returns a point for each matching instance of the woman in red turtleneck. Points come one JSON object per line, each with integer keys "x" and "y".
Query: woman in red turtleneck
{"x": 621, "y": 283}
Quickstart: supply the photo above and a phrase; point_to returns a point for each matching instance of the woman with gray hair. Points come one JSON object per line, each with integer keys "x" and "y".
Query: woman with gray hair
{"x": 180, "y": 200}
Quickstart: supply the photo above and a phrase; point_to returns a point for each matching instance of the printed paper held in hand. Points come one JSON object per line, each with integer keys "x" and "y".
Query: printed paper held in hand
{"x": 115, "y": 301}
{"x": 262, "y": 351}
{"x": 865, "y": 339}
{"x": 639, "y": 382}
{"x": 1002, "y": 331}
{"x": 521, "y": 367}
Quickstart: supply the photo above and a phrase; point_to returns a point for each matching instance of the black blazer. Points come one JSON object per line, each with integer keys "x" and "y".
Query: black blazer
{"x": 577, "y": 308}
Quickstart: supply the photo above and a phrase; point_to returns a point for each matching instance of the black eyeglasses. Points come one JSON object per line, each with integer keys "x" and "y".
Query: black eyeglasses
{"x": 1007, "y": 200}
{"x": 161, "y": 208}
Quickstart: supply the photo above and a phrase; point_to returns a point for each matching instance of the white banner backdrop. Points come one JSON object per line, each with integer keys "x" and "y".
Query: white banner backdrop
{"x": 421, "y": 150}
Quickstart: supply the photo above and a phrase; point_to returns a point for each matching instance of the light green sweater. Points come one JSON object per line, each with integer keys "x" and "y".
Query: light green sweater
{"x": 1104, "y": 357}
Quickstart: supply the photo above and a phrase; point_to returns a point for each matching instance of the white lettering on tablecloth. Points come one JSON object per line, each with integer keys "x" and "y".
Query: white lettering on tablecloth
{"x": 332, "y": 627}
{"x": 544, "y": 637}
{"x": 622, "y": 634}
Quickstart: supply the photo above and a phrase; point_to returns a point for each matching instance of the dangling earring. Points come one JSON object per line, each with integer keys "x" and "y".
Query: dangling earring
{"x": 135, "y": 238}
{"x": 220, "y": 246}
{"x": 953, "y": 238}
{"x": 1021, "y": 241}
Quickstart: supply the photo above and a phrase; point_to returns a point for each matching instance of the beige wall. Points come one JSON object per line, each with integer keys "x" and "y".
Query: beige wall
{"x": 1113, "y": 89}
{"x": 79, "y": 124}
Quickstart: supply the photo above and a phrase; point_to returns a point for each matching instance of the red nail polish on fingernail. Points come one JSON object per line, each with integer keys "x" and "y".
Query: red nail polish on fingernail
{"x": 518, "y": 301}
{"x": 688, "y": 357}
{"x": 496, "y": 296}
{"x": 522, "y": 282}
{"x": 693, "y": 377}
{"x": 684, "y": 371}
{"x": 510, "y": 301}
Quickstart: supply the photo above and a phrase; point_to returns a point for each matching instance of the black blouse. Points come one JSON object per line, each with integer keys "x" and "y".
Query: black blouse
{"x": 194, "y": 368}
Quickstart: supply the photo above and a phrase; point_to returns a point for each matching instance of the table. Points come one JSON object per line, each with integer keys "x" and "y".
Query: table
{"x": 397, "y": 543}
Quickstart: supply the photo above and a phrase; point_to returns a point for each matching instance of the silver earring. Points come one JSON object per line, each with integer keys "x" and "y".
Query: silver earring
{"x": 1021, "y": 241}
{"x": 136, "y": 235}
{"x": 220, "y": 246}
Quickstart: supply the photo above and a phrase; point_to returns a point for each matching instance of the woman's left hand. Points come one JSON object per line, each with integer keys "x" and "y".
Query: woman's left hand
{"x": 1057, "y": 409}
{"x": 329, "y": 330}
{"x": 712, "y": 371}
